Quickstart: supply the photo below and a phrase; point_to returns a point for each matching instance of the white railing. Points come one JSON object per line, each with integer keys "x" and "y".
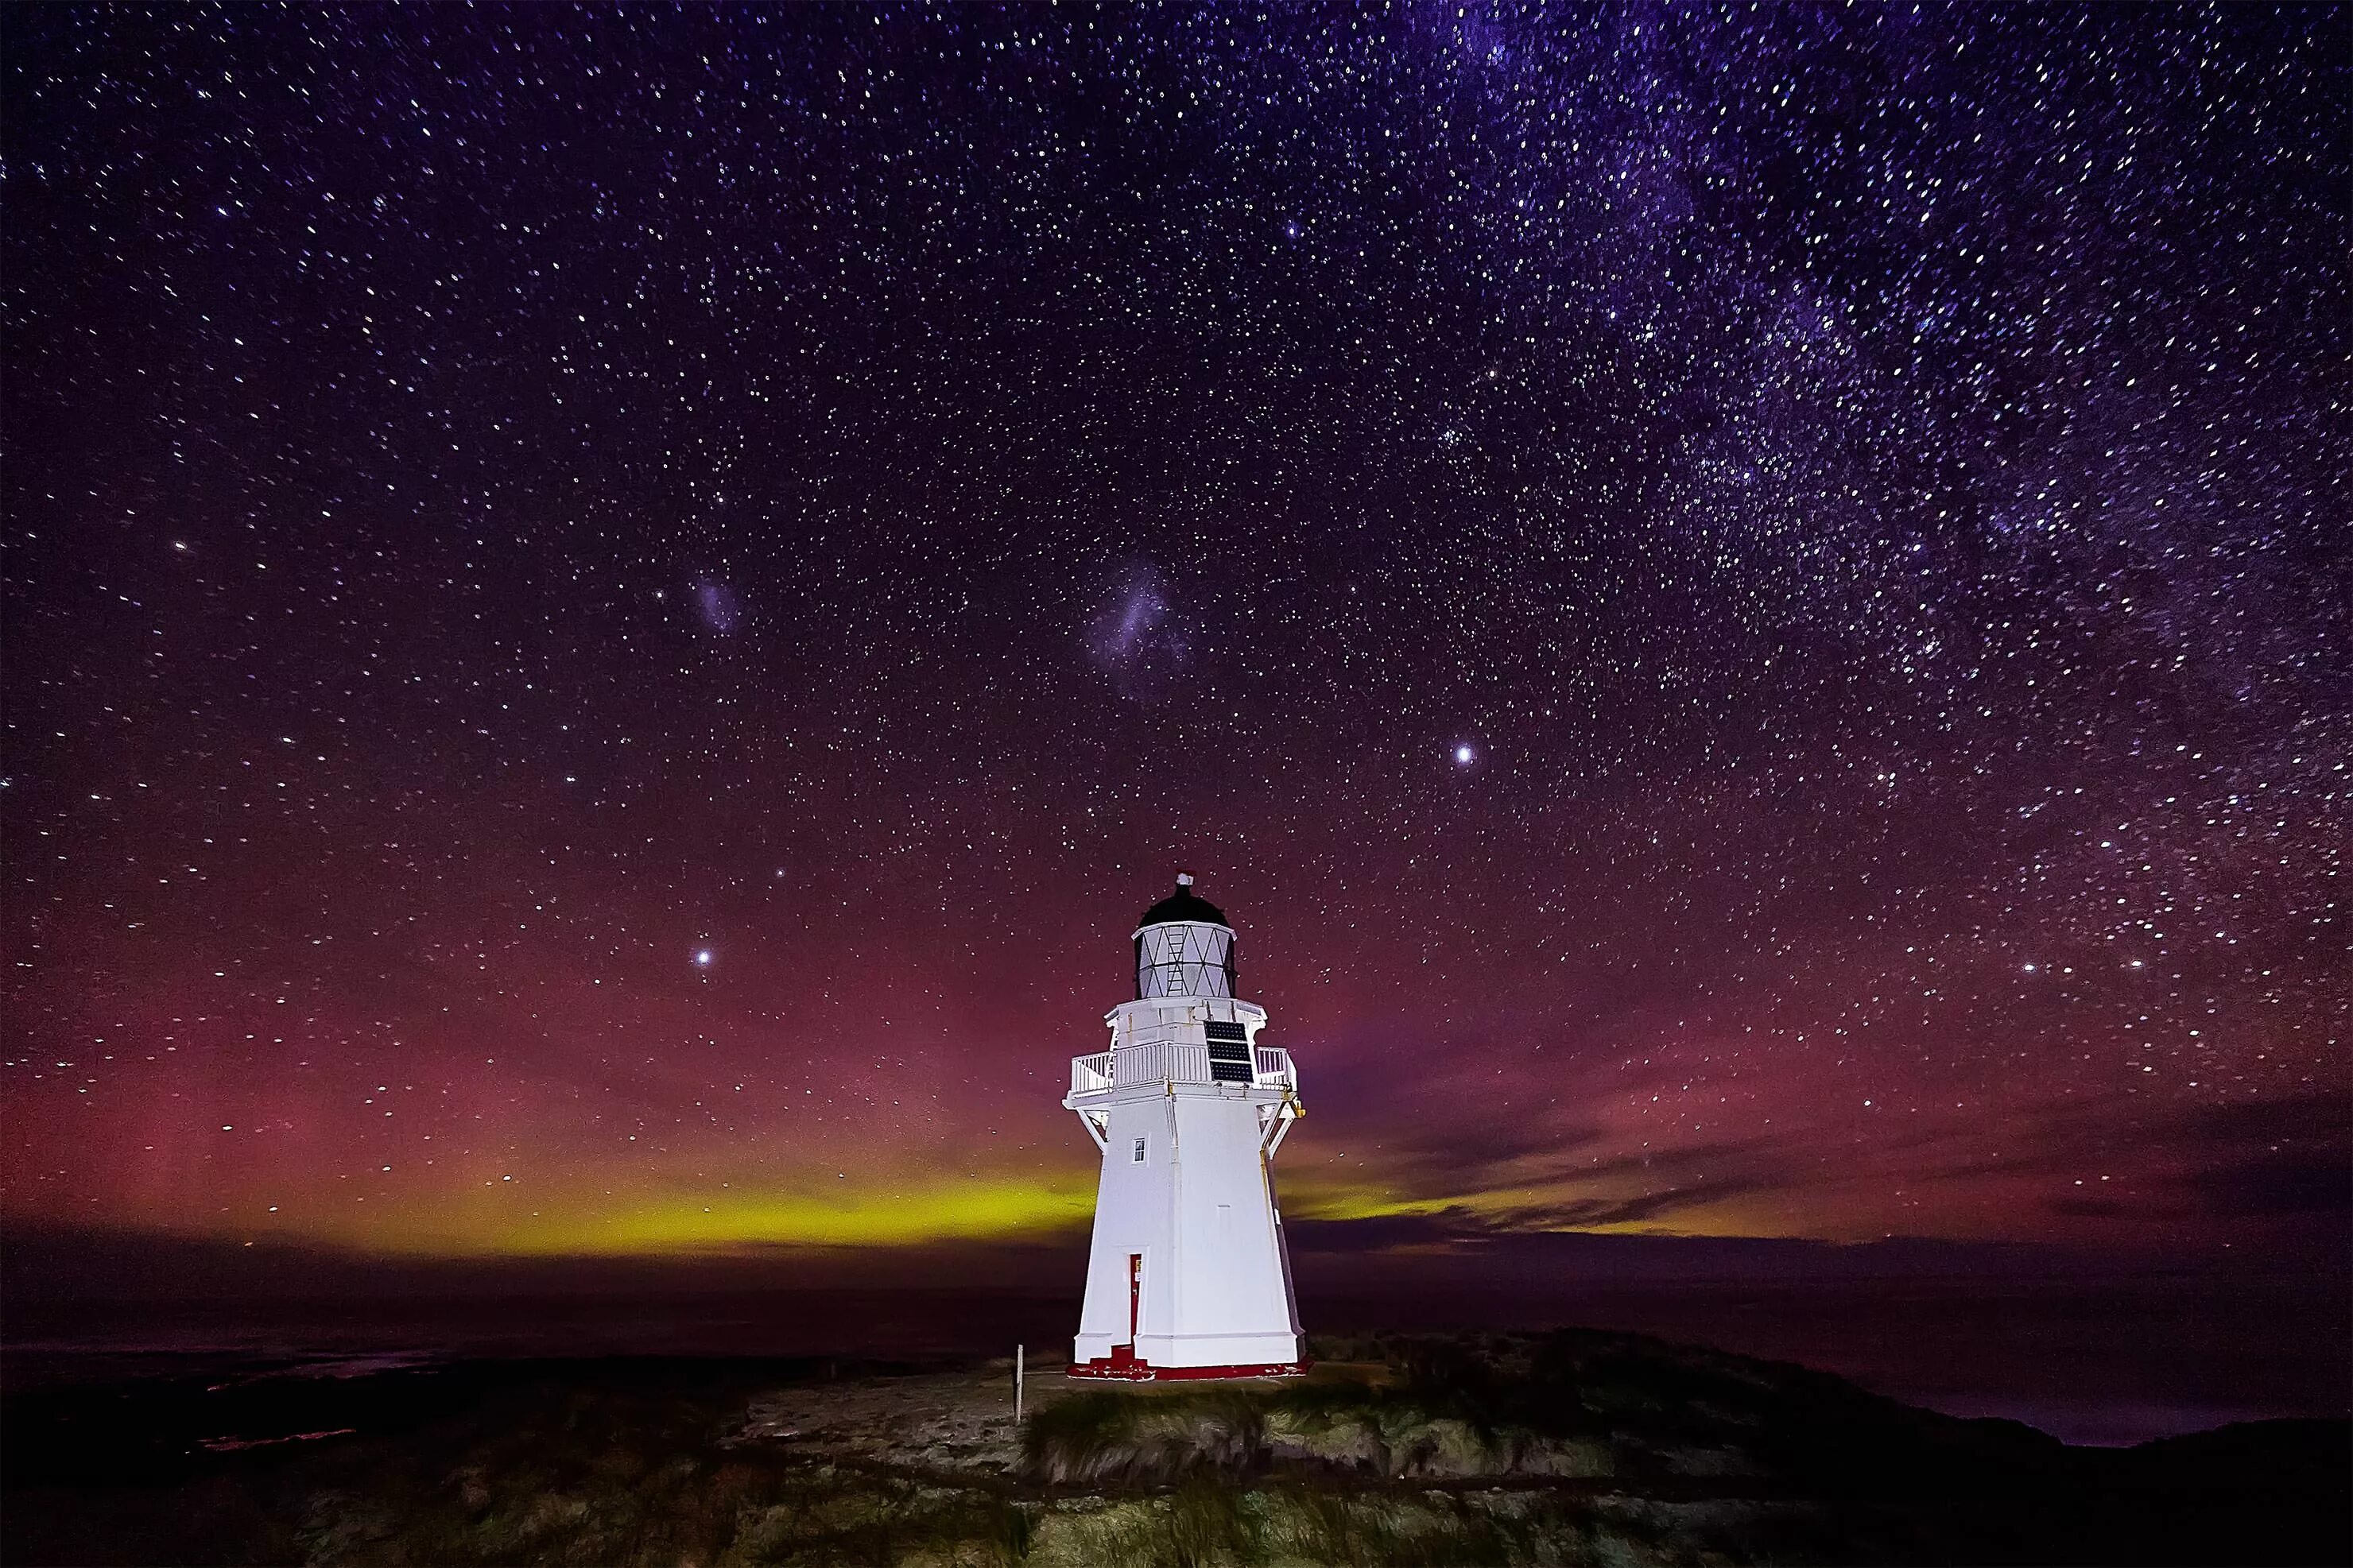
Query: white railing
{"x": 1160, "y": 1062}
{"x": 1165, "y": 1062}
{"x": 1139, "y": 1064}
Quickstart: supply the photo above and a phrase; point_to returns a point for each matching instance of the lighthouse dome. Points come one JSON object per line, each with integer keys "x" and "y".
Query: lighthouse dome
{"x": 1184, "y": 904}
{"x": 1184, "y": 947}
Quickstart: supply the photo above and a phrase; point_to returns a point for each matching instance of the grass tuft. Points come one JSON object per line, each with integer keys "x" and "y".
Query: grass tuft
{"x": 1100, "y": 1437}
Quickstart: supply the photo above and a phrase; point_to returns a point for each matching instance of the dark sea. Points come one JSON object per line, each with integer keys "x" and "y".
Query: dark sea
{"x": 2108, "y": 1363}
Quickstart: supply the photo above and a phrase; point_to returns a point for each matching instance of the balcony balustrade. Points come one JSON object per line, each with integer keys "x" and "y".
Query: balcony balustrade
{"x": 1164, "y": 1062}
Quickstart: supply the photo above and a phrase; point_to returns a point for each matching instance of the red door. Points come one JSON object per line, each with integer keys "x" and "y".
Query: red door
{"x": 1124, "y": 1357}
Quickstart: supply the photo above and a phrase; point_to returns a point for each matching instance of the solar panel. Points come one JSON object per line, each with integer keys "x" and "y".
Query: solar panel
{"x": 1229, "y": 1052}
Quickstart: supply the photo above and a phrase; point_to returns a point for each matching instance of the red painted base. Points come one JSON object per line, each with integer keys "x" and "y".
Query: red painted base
{"x": 1123, "y": 1367}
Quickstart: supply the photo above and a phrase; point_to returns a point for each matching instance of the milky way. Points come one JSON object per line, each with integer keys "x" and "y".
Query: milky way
{"x": 1748, "y": 607}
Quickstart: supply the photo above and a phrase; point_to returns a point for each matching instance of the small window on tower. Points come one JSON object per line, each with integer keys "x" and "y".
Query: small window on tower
{"x": 1138, "y": 1155}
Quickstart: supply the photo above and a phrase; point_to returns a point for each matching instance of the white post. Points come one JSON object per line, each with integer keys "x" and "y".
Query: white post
{"x": 1017, "y": 1385}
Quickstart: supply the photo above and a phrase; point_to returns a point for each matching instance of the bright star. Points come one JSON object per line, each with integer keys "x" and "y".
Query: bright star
{"x": 1463, "y": 756}
{"x": 703, "y": 957}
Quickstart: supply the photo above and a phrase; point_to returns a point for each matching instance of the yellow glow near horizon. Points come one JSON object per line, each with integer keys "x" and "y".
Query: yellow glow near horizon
{"x": 568, "y": 1216}
{"x": 908, "y": 1215}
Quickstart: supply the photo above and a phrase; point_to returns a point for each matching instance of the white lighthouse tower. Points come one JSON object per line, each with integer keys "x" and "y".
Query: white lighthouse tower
{"x": 1189, "y": 1275}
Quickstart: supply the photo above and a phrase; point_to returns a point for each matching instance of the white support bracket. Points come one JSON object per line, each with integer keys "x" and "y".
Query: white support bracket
{"x": 1275, "y": 1126}
{"x": 1098, "y": 1126}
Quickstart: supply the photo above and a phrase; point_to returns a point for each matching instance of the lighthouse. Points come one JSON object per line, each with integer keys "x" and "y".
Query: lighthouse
{"x": 1187, "y": 1275}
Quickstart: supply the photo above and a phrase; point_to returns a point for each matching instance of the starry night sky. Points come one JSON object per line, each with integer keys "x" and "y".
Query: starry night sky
{"x": 611, "y": 615}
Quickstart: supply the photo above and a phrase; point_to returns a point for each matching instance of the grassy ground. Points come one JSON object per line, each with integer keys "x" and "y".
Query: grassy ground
{"x": 1573, "y": 1448}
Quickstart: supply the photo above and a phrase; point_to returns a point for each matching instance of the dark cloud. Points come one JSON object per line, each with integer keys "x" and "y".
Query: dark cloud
{"x": 2286, "y": 1159}
{"x": 1479, "y": 1250}
{"x": 1473, "y": 1145}
{"x": 2289, "y": 1183}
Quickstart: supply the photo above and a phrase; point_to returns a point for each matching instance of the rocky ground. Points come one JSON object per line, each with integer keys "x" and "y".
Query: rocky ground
{"x": 947, "y": 1423}
{"x": 1571, "y": 1448}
